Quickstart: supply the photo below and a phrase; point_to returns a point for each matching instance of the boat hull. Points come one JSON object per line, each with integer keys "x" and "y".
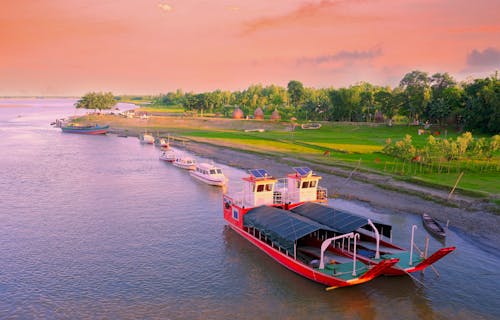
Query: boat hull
{"x": 185, "y": 166}
{"x": 207, "y": 180}
{"x": 308, "y": 272}
{"x": 86, "y": 130}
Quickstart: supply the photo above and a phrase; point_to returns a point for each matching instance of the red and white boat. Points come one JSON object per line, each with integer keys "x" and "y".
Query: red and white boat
{"x": 209, "y": 174}
{"x": 270, "y": 213}
{"x": 261, "y": 213}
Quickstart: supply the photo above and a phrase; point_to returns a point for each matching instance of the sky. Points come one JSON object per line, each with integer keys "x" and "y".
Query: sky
{"x": 71, "y": 47}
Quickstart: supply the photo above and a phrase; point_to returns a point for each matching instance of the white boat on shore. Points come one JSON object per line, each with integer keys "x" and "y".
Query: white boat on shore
{"x": 168, "y": 155}
{"x": 209, "y": 174}
{"x": 187, "y": 163}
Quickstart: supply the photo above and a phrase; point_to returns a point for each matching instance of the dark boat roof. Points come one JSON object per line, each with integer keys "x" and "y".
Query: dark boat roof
{"x": 283, "y": 227}
{"x": 339, "y": 220}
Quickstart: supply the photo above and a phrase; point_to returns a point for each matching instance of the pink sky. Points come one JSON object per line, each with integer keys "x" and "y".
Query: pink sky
{"x": 70, "y": 47}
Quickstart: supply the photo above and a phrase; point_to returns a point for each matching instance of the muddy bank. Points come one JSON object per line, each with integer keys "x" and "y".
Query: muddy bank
{"x": 469, "y": 215}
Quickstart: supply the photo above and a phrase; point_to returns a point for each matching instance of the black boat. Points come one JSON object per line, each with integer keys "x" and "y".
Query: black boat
{"x": 433, "y": 226}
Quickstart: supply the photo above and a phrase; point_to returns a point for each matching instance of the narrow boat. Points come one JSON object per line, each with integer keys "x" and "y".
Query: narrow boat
{"x": 301, "y": 195}
{"x": 85, "y": 129}
{"x": 168, "y": 155}
{"x": 433, "y": 226}
{"x": 209, "y": 174}
{"x": 310, "y": 126}
{"x": 260, "y": 214}
{"x": 187, "y": 163}
{"x": 146, "y": 138}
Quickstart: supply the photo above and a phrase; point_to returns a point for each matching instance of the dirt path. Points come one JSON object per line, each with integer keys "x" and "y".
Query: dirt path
{"x": 465, "y": 213}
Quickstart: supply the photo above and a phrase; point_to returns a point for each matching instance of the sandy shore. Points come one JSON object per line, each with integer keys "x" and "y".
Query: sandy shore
{"x": 467, "y": 214}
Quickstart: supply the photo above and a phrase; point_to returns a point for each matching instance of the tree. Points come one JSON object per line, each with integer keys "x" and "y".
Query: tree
{"x": 295, "y": 92}
{"x": 417, "y": 93}
{"x": 482, "y": 105}
{"x": 384, "y": 101}
{"x": 97, "y": 101}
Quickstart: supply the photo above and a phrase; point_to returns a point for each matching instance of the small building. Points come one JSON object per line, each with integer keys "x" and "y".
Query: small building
{"x": 238, "y": 113}
{"x": 275, "y": 115}
{"x": 258, "y": 114}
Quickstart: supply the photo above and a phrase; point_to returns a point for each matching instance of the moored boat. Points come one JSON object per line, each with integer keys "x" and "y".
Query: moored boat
{"x": 260, "y": 214}
{"x": 185, "y": 162}
{"x": 300, "y": 195}
{"x": 168, "y": 155}
{"x": 433, "y": 226}
{"x": 209, "y": 174}
{"x": 161, "y": 142}
{"x": 146, "y": 138}
{"x": 310, "y": 126}
{"x": 85, "y": 129}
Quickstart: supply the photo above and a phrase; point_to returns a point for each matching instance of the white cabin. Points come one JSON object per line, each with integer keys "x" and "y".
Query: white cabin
{"x": 258, "y": 188}
{"x": 302, "y": 186}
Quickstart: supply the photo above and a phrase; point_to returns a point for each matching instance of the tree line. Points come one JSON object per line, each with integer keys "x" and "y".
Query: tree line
{"x": 437, "y": 99}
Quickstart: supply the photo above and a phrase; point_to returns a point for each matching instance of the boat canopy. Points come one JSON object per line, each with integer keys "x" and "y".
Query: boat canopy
{"x": 338, "y": 220}
{"x": 281, "y": 226}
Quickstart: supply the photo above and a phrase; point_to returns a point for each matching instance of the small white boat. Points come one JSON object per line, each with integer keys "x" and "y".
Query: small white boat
{"x": 161, "y": 142}
{"x": 209, "y": 174}
{"x": 168, "y": 155}
{"x": 146, "y": 138}
{"x": 187, "y": 163}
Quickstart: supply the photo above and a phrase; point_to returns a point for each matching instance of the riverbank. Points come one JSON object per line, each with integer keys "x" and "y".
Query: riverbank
{"x": 470, "y": 215}
{"x": 475, "y": 216}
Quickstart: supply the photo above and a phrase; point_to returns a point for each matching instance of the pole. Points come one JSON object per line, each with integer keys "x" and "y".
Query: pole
{"x": 456, "y": 183}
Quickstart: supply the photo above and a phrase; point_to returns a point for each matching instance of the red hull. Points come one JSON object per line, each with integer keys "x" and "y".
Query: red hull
{"x": 309, "y": 272}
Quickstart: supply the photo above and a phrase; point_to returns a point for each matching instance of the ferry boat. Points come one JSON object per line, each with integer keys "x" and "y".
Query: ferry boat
{"x": 187, "y": 163}
{"x": 299, "y": 197}
{"x": 85, "y": 129}
{"x": 168, "y": 155}
{"x": 146, "y": 138}
{"x": 209, "y": 174}
{"x": 261, "y": 213}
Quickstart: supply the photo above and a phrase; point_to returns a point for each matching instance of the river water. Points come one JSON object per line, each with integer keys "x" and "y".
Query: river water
{"x": 97, "y": 227}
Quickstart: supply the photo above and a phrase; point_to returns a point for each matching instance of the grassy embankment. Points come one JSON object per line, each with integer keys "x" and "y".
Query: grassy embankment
{"x": 349, "y": 145}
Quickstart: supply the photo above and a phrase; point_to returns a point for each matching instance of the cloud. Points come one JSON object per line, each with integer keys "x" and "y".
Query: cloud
{"x": 165, "y": 7}
{"x": 342, "y": 56}
{"x": 489, "y": 57}
{"x": 308, "y": 10}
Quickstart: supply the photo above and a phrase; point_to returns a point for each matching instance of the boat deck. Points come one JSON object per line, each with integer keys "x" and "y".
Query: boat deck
{"x": 336, "y": 265}
{"x": 404, "y": 259}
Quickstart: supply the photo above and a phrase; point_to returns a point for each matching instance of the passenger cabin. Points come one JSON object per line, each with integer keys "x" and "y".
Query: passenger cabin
{"x": 303, "y": 186}
{"x": 258, "y": 188}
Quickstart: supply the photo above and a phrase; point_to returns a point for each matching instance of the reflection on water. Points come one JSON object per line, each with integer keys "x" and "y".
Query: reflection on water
{"x": 98, "y": 227}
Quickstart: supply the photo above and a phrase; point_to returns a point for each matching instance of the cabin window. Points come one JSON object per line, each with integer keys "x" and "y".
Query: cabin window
{"x": 212, "y": 171}
{"x": 219, "y": 171}
{"x": 312, "y": 184}
{"x": 260, "y": 188}
{"x": 235, "y": 214}
{"x": 269, "y": 187}
{"x": 305, "y": 184}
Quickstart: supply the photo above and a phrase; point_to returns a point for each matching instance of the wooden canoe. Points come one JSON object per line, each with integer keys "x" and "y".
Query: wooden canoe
{"x": 433, "y": 226}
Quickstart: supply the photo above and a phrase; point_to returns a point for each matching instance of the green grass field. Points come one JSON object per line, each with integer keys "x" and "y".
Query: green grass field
{"x": 360, "y": 145}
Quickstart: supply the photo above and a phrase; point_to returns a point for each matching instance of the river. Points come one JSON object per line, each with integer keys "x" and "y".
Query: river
{"x": 97, "y": 227}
